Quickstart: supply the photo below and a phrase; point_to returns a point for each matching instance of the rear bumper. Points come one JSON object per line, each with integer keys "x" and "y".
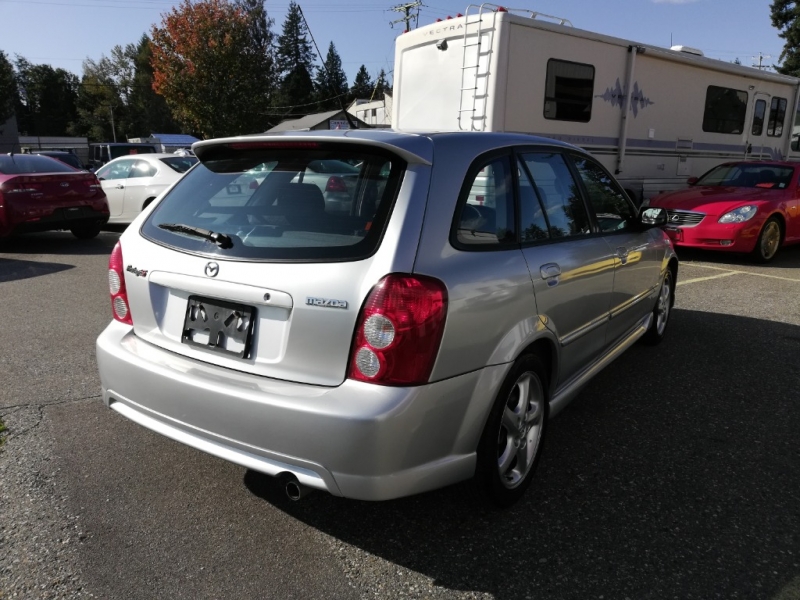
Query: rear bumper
{"x": 355, "y": 440}
{"x": 59, "y": 218}
{"x": 730, "y": 237}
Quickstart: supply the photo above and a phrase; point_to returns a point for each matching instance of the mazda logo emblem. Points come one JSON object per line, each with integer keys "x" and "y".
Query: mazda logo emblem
{"x": 212, "y": 269}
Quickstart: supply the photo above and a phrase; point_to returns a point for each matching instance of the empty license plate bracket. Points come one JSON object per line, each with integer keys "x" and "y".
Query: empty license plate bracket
{"x": 220, "y": 326}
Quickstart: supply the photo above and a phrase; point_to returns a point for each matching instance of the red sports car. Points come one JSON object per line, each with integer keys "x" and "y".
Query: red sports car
{"x": 38, "y": 193}
{"x": 737, "y": 207}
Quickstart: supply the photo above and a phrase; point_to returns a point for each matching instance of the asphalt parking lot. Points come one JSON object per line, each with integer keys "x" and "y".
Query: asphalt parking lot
{"x": 674, "y": 474}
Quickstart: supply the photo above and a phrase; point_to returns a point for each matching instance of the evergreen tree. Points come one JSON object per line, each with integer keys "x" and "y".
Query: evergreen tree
{"x": 786, "y": 17}
{"x": 381, "y": 86}
{"x": 8, "y": 89}
{"x": 148, "y": 111}
{"x": 362, "y": 85}
{"x": 295, "y": 59}
{"x": 331, "y": 82}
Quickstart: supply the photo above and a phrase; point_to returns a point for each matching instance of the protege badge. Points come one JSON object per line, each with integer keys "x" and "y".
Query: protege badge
{"x": 326, "y": 302}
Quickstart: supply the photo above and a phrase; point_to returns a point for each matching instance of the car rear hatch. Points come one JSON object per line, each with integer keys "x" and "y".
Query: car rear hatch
{"x": 241, "y": 265}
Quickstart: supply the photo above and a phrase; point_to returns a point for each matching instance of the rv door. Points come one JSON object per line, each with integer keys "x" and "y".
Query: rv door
{"x": 755, "y": 142}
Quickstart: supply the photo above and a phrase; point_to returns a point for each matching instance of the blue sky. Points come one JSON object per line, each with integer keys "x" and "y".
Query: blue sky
{"x": 63, "y": 33}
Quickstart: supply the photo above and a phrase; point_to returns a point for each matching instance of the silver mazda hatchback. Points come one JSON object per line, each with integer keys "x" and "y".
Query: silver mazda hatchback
{"x": 418, "y": 335}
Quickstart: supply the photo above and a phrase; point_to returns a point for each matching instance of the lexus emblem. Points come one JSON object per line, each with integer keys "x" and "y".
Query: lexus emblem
{"x": 675, "y": 218}
{"x": 212, "y": 269}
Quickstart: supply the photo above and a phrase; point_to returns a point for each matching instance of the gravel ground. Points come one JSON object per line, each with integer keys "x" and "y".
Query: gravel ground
{"x": 39, "y": 536}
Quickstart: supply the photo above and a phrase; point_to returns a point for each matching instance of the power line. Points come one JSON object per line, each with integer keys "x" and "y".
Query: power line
{"x": 406, "y": 9}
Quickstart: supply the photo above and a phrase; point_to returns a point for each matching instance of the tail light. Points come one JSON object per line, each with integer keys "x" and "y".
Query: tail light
{"x": 116, "y": 287}
{"x": 335, "y": 184}
{"x": 399, "y": 331}
{"x": 20, "y": 187}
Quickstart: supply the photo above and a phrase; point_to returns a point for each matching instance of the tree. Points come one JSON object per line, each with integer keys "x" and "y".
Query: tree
{"x": 8, "y": 89}
{"x": 148, "y": 111}
{"x": 295, "y": 59}
{"x": 362, "y": 85}
{"x": 99, "y": 106}
{"x": 46, "y": 100}
{"x": 212, "y": 74}
{"x": 786, "y": 17}
{"x": 331, "y": 82}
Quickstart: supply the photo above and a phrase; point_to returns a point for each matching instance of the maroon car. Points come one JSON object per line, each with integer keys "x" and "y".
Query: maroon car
{"x": 38, "y": 193}
{"x": 751, "y": 207}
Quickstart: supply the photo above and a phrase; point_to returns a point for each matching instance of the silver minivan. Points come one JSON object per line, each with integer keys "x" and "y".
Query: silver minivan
{"x": 410, "y": 339}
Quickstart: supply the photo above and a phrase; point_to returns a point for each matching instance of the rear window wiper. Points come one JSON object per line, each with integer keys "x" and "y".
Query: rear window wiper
{"x": 220, "y": 239}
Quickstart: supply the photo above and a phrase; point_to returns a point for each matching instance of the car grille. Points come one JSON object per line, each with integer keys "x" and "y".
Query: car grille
{"x": 684, "y": 218}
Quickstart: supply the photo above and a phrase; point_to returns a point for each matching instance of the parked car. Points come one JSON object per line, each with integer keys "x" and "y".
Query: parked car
{"x": 749, "y": 207}
{"x": 411, "y": 342}
{"x": 133, "y": 182}
{"x": 39, "y": 193}
{"x": 66, "y": 157}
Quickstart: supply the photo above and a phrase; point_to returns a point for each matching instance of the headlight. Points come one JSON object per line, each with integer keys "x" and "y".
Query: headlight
{"x": 739, "y": 215}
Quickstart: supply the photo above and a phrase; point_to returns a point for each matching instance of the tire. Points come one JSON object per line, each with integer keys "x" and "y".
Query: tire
{"x": 86, "y": 232}
{"x": 661, "y": 311}
{"x": 769, "y": 241}
{"x": 512, "y": 439}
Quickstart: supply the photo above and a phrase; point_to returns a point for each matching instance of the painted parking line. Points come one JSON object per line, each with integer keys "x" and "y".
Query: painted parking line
{"x": 729, "y": 272}
{"x": 696, "y": 279}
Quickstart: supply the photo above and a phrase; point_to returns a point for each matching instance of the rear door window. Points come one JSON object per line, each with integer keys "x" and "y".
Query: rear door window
{"x": 557, "y": 191}
{"x": 282, "y": 201}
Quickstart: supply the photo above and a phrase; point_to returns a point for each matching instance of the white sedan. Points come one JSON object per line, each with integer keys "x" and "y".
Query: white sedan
{"x": 132, "y": 182}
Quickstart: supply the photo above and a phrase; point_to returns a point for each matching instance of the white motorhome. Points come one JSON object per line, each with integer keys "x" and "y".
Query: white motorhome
{"x": 654, "y": 116}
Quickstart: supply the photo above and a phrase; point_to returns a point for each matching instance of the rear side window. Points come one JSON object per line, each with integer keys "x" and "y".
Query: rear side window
{"x": 612, "y": 208}
{"x": 486, "y": 214}
{"x": 179, "y": 164}
{"x": 17, "y": 164}
{"x": 281, "y": 201}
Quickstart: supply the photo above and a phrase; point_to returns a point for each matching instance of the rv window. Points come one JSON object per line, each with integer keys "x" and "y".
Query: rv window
{"x": 725, "y": 110}
{"x": 569, "y": 88}
{"x": 758, "y": 117}
{"x": 777, "y": 114}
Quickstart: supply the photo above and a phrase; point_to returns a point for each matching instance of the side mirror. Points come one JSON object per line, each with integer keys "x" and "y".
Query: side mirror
{"x": 691, "y": 180}
{"x": 652, "y": 217}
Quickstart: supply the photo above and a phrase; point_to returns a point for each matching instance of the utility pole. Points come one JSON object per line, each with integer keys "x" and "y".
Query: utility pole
{"x": 407, "y": 8}
{"x": 760, "y": 58}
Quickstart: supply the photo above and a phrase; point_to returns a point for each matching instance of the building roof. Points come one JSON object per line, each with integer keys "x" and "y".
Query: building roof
{"x": 175, "y": 139}
{"x": 306, "y": 122}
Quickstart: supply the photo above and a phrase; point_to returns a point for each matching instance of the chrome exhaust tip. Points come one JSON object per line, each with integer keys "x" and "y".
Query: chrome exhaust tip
{"x": 293, "y": 488}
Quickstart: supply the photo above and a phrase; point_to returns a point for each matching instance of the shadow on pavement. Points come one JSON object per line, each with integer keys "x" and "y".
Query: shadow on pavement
{"x": 673, "y": 474}
{"x": 58, "y": 243}
{"x": 14, "y": 270}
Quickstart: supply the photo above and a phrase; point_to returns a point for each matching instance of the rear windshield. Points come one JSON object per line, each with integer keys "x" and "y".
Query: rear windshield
{"x": 179, "y": 164}
{"x": 20, "y": 164}
{"x": 66, "y": 157}
{"x": 281, "y": 201}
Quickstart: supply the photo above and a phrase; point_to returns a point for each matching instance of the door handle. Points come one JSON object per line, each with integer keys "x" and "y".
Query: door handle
{"x": 622, "y": 253}
{"x": 119, "y": 186}
{"x": 550, "y": 270}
